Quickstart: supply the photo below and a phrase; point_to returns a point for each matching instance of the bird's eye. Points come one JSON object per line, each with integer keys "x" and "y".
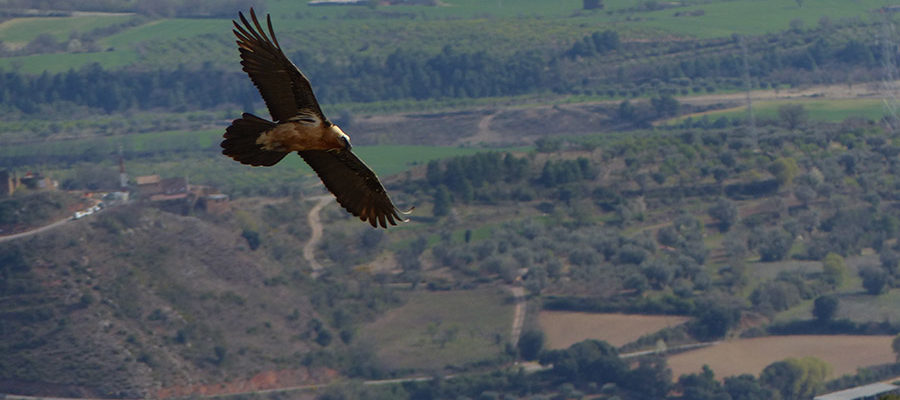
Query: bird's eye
{"x": 346, "y": 142}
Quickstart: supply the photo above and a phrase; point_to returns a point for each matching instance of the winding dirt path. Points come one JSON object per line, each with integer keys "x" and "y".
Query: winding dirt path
{"x": 315, "y": 223}
{"x": 20, "y": 235}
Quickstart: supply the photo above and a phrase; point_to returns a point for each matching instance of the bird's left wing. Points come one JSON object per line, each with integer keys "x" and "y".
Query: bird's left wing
{"x": 355, "y": 186}
{"x": 283, "y": 87}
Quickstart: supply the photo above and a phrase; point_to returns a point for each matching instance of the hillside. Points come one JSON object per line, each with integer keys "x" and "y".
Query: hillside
{"x": 134, "y": 300}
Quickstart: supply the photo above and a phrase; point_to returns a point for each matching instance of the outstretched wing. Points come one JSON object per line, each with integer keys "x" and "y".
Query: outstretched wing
{"x": 283, "y": 87}
{"x": 355, "y": 186}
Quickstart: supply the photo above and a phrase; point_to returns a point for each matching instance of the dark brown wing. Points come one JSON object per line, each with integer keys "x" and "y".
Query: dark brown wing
{"x": 283, "y": 87}
{"x": 354, "y": 185}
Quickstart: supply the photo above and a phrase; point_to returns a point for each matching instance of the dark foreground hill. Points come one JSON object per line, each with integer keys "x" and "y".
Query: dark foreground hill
{"x": 135, "y": 300}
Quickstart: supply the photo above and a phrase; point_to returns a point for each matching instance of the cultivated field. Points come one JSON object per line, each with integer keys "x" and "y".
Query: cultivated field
{"x": 437, "y": 329}
{"x": 562, "y": 329}
{"x": 844, "y": 353}
{"x": 461, "y": 23}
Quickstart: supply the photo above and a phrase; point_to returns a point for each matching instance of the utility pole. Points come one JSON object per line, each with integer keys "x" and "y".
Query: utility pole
{"x": 748, "y": 86}
{"x": 123, "y": 178}
{"x": 889, "y": 73}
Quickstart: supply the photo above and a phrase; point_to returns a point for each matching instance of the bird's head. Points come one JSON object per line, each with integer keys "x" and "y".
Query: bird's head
{"x": 341, "y": 137}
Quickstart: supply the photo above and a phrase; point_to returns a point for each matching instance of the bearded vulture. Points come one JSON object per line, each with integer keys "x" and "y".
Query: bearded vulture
{"x": 299, "y": 125}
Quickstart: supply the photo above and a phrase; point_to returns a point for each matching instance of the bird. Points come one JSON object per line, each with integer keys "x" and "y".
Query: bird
{"x": 298, "y": 124}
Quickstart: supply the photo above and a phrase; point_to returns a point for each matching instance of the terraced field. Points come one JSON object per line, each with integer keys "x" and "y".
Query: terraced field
{"x": 845, "y": 353}
{"x": 562, "y": 329}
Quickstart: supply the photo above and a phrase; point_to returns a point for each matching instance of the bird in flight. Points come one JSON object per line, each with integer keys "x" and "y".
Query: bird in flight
{"x": 299, "y": 125}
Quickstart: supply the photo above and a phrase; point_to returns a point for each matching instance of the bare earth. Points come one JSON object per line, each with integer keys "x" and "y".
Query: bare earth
{"x": 845, "y": 353}
{"x": 563, "y": 328}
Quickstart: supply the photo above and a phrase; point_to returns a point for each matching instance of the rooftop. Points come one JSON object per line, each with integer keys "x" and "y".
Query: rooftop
{"x": 859, "y": 392}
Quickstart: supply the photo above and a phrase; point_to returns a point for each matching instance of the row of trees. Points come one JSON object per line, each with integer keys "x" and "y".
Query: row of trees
{"x": 593, "y": 368}
{"x": 450, "y": 73}
{"x": 112, "y": 91}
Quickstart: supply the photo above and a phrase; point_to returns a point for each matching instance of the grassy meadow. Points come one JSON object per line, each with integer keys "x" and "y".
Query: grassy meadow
{"x": 828, "y": 110}
{"x": 437, "y": 329}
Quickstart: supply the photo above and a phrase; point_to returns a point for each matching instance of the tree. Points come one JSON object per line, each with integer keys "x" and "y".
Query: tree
{"x": 702, "y": 386}
{"x": 784, "y": 169}
{"x": 626, "y": 111}
{"x": 792, "y": 116}
{"x": 589, "y": 360}
{"x": 890, "y": 260}
{"x": 725, "y": 212}
{"x": 713, "y": 321}
{"x": 637, "y": 282}
{"x": 651, "y": 379}
{"x": 775, "y": 246}
{"x": 665, "y": 105}
{"x": 825, "y": 307}
{"x": 252, "y": 238}
{"x": 441, "y": 201}
{"x": 834, "y": 269}
{"x": 795, "y": 378}
{"x": 874, "y": 278}
{"x": 895, "y": 345}
{"x": 746, "y": 387}
{"x": 530, "y": 344}
{"x": 805, "y": 194}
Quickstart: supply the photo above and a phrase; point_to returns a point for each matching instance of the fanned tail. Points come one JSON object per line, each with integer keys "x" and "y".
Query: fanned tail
{"x": 240, "y": 141}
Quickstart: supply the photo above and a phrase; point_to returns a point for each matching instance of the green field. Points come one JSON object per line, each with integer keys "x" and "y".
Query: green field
{"x": 502, "y": 26}
{"x": 19, "y": 31}
{"x": 386, "y": 159}
{"x": 437, "y": 329}
{"x": 829, "y": 110}
{"x": 723, "y": 18}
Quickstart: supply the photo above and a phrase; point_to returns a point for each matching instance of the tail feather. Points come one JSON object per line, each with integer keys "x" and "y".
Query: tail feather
{"x": 240, "y": 141}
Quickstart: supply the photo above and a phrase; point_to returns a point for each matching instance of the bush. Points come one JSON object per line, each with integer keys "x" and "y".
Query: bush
{"x": 825, "y": 307}
{"x": 252, "y": 238}
{"x": 713, "y": 322}
{"x": 530, "y": 344}
{"x": 875, "y": 279}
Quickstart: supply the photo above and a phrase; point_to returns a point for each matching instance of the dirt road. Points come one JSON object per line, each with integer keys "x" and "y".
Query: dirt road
{"x": 519, "y": 315}
{"x": 315, "y": 223}
{"x": 34, "y": 231}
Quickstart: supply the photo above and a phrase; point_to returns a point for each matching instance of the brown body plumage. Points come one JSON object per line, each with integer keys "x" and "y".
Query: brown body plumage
{"x": 299, "y": 126}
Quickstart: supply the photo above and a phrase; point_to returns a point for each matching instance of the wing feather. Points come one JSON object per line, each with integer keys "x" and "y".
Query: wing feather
{"x": 355, "y": 186}
{"x": 286, "y": 91}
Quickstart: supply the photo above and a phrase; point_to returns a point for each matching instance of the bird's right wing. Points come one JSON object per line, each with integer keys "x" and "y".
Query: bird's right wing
{"x": 283, "y": 87}
{"x": 355, "y": 186}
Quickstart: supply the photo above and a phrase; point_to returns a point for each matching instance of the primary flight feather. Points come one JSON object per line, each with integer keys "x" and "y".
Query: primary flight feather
{"x": 299, "y": 125}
